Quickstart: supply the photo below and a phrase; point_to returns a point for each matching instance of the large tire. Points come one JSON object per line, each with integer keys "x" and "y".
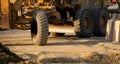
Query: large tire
{"x": 39, "y": 28}
{"x": 101, "y": 16}
{"x": 83, "y": 24}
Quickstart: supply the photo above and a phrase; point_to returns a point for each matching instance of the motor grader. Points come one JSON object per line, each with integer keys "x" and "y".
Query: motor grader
{"x": 82, "y": 17}
{"x": 57, "y": 17}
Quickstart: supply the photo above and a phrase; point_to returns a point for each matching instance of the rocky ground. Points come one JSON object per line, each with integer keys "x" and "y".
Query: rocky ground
{"x": 17, "y": 48}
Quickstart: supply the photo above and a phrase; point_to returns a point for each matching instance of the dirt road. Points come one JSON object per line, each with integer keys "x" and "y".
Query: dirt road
{"x": 19, "y": 42}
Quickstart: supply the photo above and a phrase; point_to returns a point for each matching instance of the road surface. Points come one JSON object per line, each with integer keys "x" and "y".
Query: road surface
{"x": 19, "y": 42}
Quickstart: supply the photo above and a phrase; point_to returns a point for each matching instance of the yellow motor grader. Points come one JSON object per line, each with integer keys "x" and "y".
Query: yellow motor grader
{"x": 47, "y": 17}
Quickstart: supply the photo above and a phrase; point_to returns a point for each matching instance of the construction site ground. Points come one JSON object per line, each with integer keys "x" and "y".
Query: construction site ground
{"x": 60, "y": 49}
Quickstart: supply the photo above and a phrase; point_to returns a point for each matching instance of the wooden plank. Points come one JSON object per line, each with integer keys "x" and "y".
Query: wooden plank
{"x": 113, "y": 31}
{"x": 109, "y": 30}
{"x": 5, "y": 20}
{"x": 116, "y": 30}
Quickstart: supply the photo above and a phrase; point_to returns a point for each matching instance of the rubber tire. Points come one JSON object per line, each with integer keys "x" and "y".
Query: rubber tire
{"x": 79, "y": 24}
{"x": 39, "y": 28}
{"x": 98, "y": 29}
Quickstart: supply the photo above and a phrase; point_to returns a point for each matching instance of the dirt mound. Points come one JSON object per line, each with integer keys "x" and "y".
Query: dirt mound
{"x": 8, "y": 57}
{"x": 110, "y": 56}
{"x": 84, "y": 58}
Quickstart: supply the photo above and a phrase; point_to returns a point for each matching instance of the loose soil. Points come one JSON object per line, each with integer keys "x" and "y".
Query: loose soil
{"x": 6, "y": 56}
{"x": 17, "y": 48}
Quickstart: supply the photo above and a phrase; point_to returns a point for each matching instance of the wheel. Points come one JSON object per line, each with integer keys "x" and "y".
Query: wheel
{"x": 39, "y": 28}
{"x": 101, "y": 16}
{"x": 83, "y": 24}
